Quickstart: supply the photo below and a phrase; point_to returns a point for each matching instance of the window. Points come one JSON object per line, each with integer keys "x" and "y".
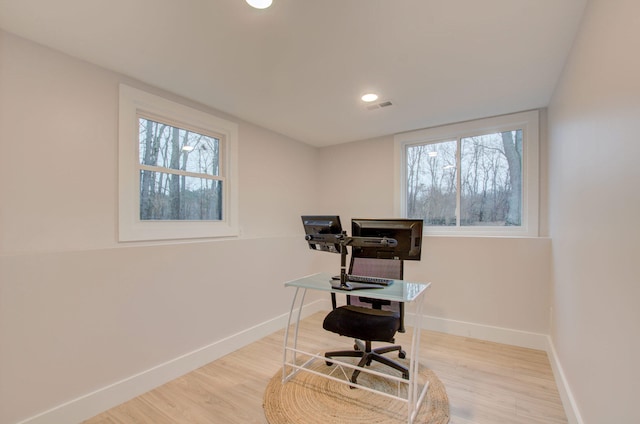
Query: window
{"x": 179, "y": 173}
{"x": 176, "y": 170}
{"x": 472, "y": 178}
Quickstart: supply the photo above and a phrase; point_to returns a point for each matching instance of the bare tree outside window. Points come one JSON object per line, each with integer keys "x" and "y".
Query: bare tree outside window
{"x": 180, "y": 173}
{"x": 431, "y": 183}
{"x": 471, "y": 181}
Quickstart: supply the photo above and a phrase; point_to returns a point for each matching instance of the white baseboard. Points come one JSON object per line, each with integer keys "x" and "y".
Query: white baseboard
{"x": 91, "y": 404}
{"x": 483, "y": 332}
{"x": 568, "y": 401}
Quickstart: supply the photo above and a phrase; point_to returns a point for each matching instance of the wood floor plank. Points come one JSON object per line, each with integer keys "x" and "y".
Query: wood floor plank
{"x": 487, "y": 383}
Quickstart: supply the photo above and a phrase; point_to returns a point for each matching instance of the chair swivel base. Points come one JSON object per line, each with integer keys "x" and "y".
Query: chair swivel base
{"x": 368, "y": 355}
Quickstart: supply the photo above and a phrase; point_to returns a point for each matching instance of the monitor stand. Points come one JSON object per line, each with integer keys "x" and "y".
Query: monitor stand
{"x": 342, "y": 282}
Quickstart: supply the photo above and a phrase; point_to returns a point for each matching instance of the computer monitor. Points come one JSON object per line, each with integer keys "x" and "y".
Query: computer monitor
{"x": 407, "y": 233}
{"x": 322, "y": 232}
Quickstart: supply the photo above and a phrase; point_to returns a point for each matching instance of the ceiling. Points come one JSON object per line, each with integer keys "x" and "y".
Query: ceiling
{"x": 300, "y": 67}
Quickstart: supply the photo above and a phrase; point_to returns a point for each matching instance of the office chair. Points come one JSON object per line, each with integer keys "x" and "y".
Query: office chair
{"x": 369, "y": 320}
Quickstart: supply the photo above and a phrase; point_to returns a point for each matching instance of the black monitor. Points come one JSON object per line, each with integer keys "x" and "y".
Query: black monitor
{"x": 407, "y": 233}
{"x": 323, "y": 232}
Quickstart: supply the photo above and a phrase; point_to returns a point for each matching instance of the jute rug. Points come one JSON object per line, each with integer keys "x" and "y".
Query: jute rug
{"x": 311, "y": 399}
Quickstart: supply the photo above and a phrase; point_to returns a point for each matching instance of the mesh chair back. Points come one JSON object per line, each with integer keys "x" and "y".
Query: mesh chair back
{"x": 381, "y": 268}
{"x": 372, "y": 267}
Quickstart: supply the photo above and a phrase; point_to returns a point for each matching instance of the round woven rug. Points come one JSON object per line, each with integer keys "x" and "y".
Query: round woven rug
{"x": 311, "y": 399}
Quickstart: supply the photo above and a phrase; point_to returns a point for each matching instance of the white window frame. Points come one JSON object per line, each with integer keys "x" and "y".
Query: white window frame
{"x": 135, "y": 103}
{"x": 527, "y": 121}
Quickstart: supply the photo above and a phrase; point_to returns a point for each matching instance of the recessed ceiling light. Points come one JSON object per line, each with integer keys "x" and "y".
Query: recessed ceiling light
{"x": 260, "y": 4}
{"x": 369, "y": 97}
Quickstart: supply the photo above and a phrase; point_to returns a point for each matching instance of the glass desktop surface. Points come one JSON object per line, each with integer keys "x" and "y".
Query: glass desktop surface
{"x": 399, "y": 290}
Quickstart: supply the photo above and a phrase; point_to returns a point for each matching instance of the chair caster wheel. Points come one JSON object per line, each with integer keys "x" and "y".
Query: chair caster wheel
{"x": 405, "y": 376}
{"x": 329, "y": 363}
{"x": 402, "y": 354}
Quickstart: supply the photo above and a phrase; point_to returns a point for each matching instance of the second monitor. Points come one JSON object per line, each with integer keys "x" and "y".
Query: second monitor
{"x": 407, "y": 233}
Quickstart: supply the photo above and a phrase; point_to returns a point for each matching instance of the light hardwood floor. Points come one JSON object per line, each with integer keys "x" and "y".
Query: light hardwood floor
{"x": 486, "y": 382}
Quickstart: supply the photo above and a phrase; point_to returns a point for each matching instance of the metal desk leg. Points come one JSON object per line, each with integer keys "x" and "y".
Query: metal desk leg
{"x": 286, "y": 377}
{"x": 415, "y": 396}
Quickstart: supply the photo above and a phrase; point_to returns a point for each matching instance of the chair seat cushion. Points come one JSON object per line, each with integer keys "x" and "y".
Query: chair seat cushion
{"x": 363, "y": 323}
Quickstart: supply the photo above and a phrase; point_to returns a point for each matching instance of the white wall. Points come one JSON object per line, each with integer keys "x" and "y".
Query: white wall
{"x": 477, "y": 282}
{"x": 594, "y": 122}
{"x": 79, "y": 311}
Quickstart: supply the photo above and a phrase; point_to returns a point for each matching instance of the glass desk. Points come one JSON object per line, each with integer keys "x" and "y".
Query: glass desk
{"x": 408, "y": 292}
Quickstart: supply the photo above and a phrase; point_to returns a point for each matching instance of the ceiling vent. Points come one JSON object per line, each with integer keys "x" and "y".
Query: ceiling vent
{"x": 379, "y": 105}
